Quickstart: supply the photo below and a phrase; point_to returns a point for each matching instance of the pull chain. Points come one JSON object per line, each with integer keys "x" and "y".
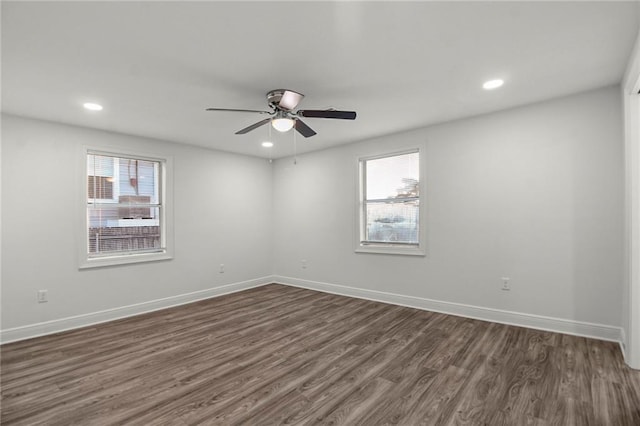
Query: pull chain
{"x": 270, "y": 140}
{"x": 295, "y": 146}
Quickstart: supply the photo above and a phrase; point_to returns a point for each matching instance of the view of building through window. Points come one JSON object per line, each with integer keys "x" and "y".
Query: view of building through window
{"x": 123, "y": 205}
{"x": 391, "y": 199}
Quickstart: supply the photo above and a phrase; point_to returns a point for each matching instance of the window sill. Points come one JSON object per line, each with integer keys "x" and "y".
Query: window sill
{"x": 99, "y": 262}
{"x": 390, "y": 249}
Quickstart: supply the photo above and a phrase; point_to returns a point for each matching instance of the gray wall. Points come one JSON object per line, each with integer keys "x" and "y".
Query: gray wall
{"x": 631, "y": 292}
{"x": 222, "y": 212}
{"x": 533, "y": 193}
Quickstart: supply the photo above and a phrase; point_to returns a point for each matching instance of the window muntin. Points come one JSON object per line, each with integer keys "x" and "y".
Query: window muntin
{"x": 390, "y": 203}
{"x": 124, "y": 206}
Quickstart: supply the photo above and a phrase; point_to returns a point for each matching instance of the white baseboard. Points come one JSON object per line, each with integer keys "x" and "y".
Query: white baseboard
{"x": 558, "y": 325}
{"x": 69, "y": 323}
{"x": 578, "y": 328}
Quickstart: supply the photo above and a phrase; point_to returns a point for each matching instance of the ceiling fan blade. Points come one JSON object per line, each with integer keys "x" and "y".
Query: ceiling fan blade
{"x": 290, "y": 100}
{"x": 328, "y": 113}
{"x": 253, "y": 126}
{"x": 303, "y": 129}
{"x": 238, "y": 110}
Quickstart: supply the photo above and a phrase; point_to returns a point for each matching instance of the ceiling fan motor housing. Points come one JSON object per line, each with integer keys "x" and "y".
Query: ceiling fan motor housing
{"x": 274, "y": 97}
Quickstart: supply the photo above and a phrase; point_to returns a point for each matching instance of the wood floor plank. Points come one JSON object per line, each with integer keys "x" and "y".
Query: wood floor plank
{"x": 240, "y": 370}
{"x": 221, "y": 401}
{"x": 126, "y": 362}
{"x": 485, "y": 367}
{"x": 327, "y": 351}
{"x": 224, "y": 362}
{"x": 283, "y": 355}
{"x": 145, "y": 338}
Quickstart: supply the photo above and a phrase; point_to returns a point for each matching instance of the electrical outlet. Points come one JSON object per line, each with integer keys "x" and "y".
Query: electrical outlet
{"x": 42, "y": 296}
{"x": 221, "y": 270}
{"x": 303, "y": 263}
{"x": 506, "y": 285}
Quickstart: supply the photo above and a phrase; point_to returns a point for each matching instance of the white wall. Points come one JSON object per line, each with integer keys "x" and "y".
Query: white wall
{"x": 631, "y": 293}
{"x": 222, "y": 211}
{"x": 533, "y": 193}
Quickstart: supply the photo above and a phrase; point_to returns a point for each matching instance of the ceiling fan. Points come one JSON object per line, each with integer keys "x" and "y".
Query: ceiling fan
{"x": 283, "y": 118}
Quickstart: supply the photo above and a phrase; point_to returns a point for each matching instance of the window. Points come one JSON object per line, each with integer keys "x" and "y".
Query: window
{"x": 390, "y": 205}
{"x": 125, "y": 209}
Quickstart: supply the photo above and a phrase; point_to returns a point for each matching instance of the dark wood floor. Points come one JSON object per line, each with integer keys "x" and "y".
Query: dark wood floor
{"x": 282, "y": 355}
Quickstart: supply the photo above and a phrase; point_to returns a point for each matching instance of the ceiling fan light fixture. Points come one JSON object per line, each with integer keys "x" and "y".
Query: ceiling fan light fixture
{"x": 282, "y": 124}
{"x": 290, "y": 99}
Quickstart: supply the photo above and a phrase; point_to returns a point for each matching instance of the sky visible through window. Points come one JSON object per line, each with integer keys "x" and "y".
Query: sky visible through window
{"x": 385, "y": 175}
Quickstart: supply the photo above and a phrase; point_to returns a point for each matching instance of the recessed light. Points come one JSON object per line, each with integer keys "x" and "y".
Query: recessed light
{"x": 267, "y": 144}
{"x": 492, "y": 84}
{"x": 92, "y": 106}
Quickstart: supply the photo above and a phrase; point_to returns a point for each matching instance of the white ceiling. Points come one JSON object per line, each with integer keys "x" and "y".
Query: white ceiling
{"x": 155, "y": 66}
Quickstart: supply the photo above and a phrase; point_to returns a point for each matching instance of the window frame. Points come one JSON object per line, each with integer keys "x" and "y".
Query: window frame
{"x": 165, "y": 193}
{"x": 362, "y": 246}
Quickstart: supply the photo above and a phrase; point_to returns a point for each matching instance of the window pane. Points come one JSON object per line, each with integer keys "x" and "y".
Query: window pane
{"x": 99, "y": 165}
{"x": 109, "y": 232}
{"x": 138, "y": 178}
{"x": 122, "y": 180}
{"x": 392, "y": 177}
{"x": 392, "y": 222}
